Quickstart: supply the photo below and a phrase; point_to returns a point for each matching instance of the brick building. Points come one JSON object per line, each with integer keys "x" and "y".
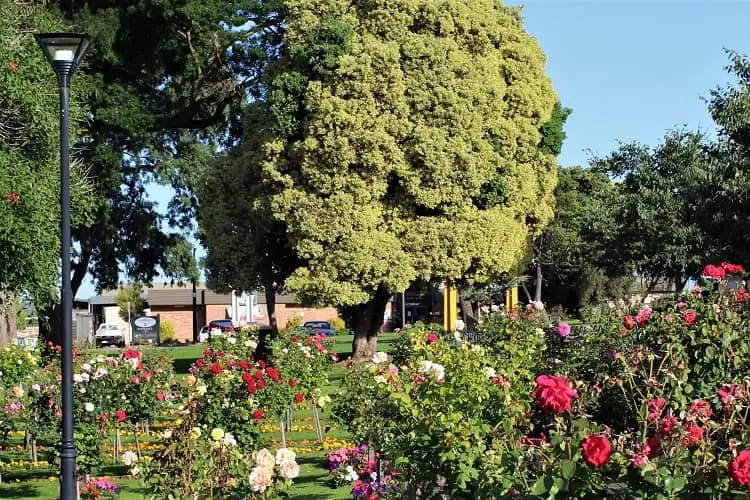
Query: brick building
{"x": 288, "y": 308}
{"x": 175, "y": 304}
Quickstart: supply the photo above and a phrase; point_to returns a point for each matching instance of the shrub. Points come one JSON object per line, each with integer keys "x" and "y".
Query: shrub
{"x": 166, "y": 331}
{"x": 339, "y": 326}
{"x": 294, "y": 322}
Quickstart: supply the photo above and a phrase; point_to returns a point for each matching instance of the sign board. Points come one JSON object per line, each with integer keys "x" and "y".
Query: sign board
{"x": 146, "y": 330}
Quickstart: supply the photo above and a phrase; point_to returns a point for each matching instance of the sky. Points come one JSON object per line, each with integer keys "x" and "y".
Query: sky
{"x": 630, "y": 70}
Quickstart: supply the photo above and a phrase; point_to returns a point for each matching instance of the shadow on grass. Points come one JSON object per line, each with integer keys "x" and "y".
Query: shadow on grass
{"x": 20, "y": 490}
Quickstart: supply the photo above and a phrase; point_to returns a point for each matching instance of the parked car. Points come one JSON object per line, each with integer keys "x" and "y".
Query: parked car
{"x": 109, "y": 334}
{"x": 318, "y": 328}
{"x": 203, "y": 334}
{"x": 223, "y": 325}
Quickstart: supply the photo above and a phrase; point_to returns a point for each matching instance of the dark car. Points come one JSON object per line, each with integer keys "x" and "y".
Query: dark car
{"x": 224, "y": 325}
{"x": 318, "y": 328}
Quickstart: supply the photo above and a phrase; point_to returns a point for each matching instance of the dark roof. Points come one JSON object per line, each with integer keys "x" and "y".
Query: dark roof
{"x": 184, "y": 297}
{"x": 287, "y": 298}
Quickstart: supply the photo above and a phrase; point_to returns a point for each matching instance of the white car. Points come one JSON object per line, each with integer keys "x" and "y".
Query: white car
{"x": 109, "y": 334}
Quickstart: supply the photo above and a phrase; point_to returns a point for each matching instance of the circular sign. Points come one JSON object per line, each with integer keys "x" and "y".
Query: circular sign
{"x": 144, "y": 322}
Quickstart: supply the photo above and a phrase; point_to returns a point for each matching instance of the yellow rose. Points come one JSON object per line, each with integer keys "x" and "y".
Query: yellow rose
{"x": 195, "y": 432}
{"x": 17, "y": 392}
{"x": 191, "y": 380}
{"x": 217, "y": 434}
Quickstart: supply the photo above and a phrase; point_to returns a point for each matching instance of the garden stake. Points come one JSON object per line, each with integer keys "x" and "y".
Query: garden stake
{"x": 137, "y": 442}
{"x": 283, "y": 435}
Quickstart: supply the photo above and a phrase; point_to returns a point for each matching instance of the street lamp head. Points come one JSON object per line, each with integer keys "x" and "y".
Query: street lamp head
{"x": 64, "y": 51}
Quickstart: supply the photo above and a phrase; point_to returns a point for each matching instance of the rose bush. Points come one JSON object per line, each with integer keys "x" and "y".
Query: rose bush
{"x": 653, "y": 404}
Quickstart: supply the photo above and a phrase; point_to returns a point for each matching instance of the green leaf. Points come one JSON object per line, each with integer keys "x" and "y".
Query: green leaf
{"x": 567, "y": 468}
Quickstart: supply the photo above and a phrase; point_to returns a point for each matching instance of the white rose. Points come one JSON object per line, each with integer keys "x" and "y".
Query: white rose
{"x": 229, "y": 439}
{"x": 289, "y": 470}
{"x": 260, "y": 479}
{"x": 36, "y": 387}
{"x": 380, "y": 379}
{"x": 285, "y": 455}
{"x": 489, "y": 372}
{"x": 77, "y": 378}
{"x": 232, "y": 340}
{"x": 351, "y": 475}
{"x": 85, "y": 377}
{"x": 129, "y": 458}
{"x": 167, "y": 434}
{"x": 379, "y": 357}
{"x": 89, "y": 407}
{"x": 86, "y": 367}
{"x": 135, "y": 471}
{"x": 264, "y": 459}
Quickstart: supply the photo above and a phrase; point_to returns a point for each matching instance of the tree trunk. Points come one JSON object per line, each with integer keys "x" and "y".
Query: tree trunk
{"x": 271, "y": 307}
{"x": 8, "y": 313}
{"x": 470, "y": 318}
{"x": 50, "y": 324}
{"x": 366, "y": 320}
{"x": 539, "y": 277}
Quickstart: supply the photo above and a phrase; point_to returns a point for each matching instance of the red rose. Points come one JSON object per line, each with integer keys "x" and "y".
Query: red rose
{"x": 553, "y": 394}
{"x": 260, "y": 384}
{"x": 667, "y": 424}
{"x": 292, "y": 383}
{"x": 200, "y": 363}
{"x": 432, "y": 338}
{"x": 739, "y": 468}
{"x": 653, "y": 447}
{"x": 258, "y": 414}
{"x": 629, "y": 322}
{"x": 295, "y": 339}
{"x": 215, "y": 368}
{"x": 131, "y": 354}
{"x": 655, "y": 408}
{"x": 732, "y": 268}
{"x": 741, "y": 295}
{"x": 728, "y": 393}
{"x": 273, "y": 374}
{"x": 58, "y": 348}
{"x": 13, "y": 65}
{"x": 695, "y": 435}
{"x": 244, "y": 365}
{"x": 596, "y": 450}
{"x": 701, "y": 409}
{"x": 688, "y": 317}
{"x": 120, "y": 415}
{"x": 135, "y": 379}
{"x": 715, "y": 272}
{"x": 262, "y": 363}
{"x": 298, "y": 398}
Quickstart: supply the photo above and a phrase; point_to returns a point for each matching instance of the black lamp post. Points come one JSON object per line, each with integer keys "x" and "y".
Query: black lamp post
{"x": 64, "y": 51}
{"x": 195, "y": 308}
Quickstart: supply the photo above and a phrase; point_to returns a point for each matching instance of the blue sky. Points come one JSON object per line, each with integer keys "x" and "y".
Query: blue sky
{"x": 630, "y": 70}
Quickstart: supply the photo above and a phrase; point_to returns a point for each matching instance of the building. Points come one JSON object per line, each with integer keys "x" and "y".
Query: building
{"x": 175, "y": 304}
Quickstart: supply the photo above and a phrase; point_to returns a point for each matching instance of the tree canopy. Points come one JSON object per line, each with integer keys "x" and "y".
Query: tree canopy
{"x": 398, "y": 141}
{"x": 29, "y": 162}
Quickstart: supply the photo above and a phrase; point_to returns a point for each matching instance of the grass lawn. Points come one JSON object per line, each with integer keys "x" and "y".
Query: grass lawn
{"x": 311, "y": 484}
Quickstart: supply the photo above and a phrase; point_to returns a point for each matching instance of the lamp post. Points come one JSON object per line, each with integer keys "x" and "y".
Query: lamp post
{"x": 195, "y": 308}
{"x": 64, "y": 52}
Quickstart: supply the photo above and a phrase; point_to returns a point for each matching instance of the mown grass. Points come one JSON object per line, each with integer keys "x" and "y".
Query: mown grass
{"x": 312, "y": 483}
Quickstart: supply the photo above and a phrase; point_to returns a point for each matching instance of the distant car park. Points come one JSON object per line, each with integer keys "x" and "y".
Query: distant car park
{"x": 318, "y": 328}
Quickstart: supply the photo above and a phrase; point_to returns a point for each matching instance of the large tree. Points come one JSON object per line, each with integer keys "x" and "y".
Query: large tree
{"x": 29, "y": 162}
{"x": 657, "y": 209}
{"x": 400, "y": 140}
{"x": 169, "y": 77}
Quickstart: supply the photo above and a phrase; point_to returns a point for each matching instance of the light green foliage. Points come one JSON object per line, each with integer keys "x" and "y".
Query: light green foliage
{"x": 389, "y": 121}
{"x": 166, "y": 331}
{"x": 130, "y": 302}
{"x": 29, "y": 153}
{"x": 338, "y": 325}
